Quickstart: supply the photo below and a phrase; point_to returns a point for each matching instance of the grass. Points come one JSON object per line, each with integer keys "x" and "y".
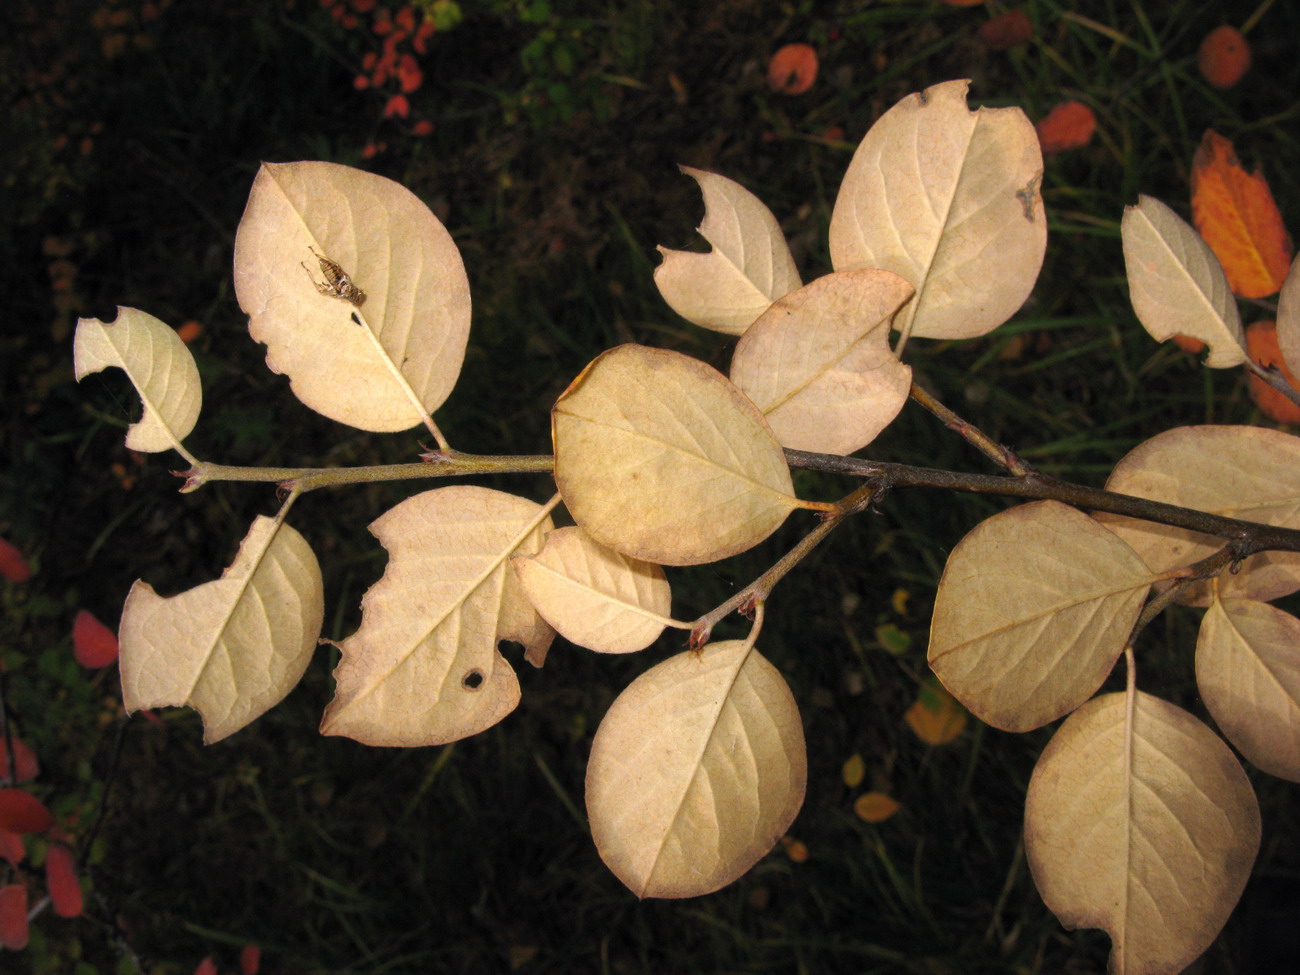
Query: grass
{"x": 474, "y": 857}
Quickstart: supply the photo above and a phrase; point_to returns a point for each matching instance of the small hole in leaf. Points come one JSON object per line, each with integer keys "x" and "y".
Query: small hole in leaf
{"x": 472, "y": 681}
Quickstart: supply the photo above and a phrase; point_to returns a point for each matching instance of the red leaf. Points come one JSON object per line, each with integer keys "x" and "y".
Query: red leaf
{"x": 250, "y": 960}
{"x": 206, "y": 967}
{"x": 1006, "y": 31}
{"x": 22, "y": 812}
{"x": 397, "y": 105}
{"x": 61, "y": 880}
{"x": 92, "y": 641}
{"x": 1224, "y": 57}
{"x": 11, "y": 848}
{"x": 1067, "y": 126}
{"x": 792, "y": 70}
{"x": 13, "y": 566}
{"x": 24, "y": 762}
{"x": 13, "y": 917}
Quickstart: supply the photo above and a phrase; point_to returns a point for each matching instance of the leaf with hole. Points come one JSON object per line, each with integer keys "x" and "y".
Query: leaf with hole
{"x": 696, "y": 771}
{"x": 232, "y": 648}
{"x": 594, "y": 596}
{"x": 1146, "y": 829}
{"x": 660, "y": 457}
{"x": 1235, "y": 471}
{"x": 748, "y": 267}
{"x": 818, "y": 362}
{"x": 424, "y": 668}
{"x": 1033, "y": 608}
{"x": 380, "y": 367}
{"x": 159, "y": 366}
{"x": 950, "y": 200}
{"x": 1177, "y": 285}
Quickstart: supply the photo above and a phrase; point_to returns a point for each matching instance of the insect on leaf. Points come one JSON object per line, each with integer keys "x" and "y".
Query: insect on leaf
{"x": 424, "y": 668}
{"x": 660, "y": 457}
{"x": 367, "y": 367}
{"x": 818, "y": 362}
{"x": 1176, "y": 284}
{"x": 747, "y": 269}
{"x": 948, "y": 199}
{"x": 1147, "y": 830}
{"x": 158, "y": 364}
{"x": 232, "y": 648}
{"x": 696, "y": 771}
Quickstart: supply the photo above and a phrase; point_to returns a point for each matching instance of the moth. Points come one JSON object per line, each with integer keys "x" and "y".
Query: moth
{"x": 337, "y": 283}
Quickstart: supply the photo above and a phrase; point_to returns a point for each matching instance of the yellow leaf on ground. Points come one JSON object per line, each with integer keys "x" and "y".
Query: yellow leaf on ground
{"x": 748, "y": 268}
{"x": 233, "y": 648}
{"x": 875, "y": 807}
{"x": 1177, "y": 285}
{"x": 854, "y": 770}
{"x": 696, "y": 771}
{"x": 818, "y": 362}
{"x": 660, "y": 457}
{"x": 948, "y": 199}
{"x": 400, "y": 356}
{"x": 1147, "y": 830}
{"x": 1235, "y": 213}
{"x": 935, "y": 716}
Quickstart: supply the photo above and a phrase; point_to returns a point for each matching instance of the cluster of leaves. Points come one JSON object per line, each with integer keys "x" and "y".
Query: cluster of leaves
{"x": 699, "y": 766}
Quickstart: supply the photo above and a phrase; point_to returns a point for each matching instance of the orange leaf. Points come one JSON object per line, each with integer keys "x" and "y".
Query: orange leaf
{"x": 1006, "y": 31}
{"x": 1261, "y": 343}
{"x": 792, "y": 69}
{"x": 22, "y": 812}
{"x": 25, "y": 763}
{"x": 936, "y": 717}
{"x": 13, "y": 566}
{"x": 189, "y": 331}
{"x": 1067, "y": 126}
{"x": 93, "y": 643}
{"x": 875, "y": 807}
{"x": 13, "y": 917}
{"x": 61, "y": 881}
{"x": 1235, "y": 213}
{"x": 1224, "y": 56}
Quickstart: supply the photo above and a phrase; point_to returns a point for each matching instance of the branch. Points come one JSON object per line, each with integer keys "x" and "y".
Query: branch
{"x": 438, "y": 464}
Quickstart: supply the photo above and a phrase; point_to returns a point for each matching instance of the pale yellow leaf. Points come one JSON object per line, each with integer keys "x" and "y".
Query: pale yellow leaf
{"x": 1236, "y": 471}
{"x": 1248, "y": 673}
{"x": 818, "y": 362}
{"x": 233, "y": 648}
{"x": 1147, "y": 833}
{"x": 1288, "y": 318}
{"x": 594, "y": 596}
{"x": 1033, "y": 608}
{"x": 949, "y": 199}
{"x": 1177, "y": 285}
{"x": 158, "y": 364}
{"x": 423, "y": 668}
{"x": 660, "y": 457}
{"x": 748, "y": 268}
{"x": 405, "y": 356}
{"x": 696, "y": 771}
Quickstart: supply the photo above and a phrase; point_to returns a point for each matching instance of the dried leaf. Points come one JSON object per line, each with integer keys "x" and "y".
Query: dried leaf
{"x": 384, "y": 374}
{"x": 659, "y": 457}
{"x": 1262, "y": 344}
{"x": 853, "y": 771}
{"x": 1235, "y": 214}
{"x": 157, "y": 363}
{"x": 1288, "y": 315}
{"x": 594, "y": 596}
{"x": 935, "y": 716}
{"x": 1224, "y": 57}
{"x": 1249, "y": 677}
{"x": 1033, "y": 608}
{"x": 818, "y": 362}
{"x": 232, "y": 648}
{"x": 424, "y": 668}
{"x": 696, "y": 771}
{"x": 1070, "y": 125}
{"x": 948, "y": 199}
{"x": 875, "y": 807}
{"x": 1176, "y": 284}
{"x": 792, "y": 69}
{"x": 1148, "y": 832}
{"x": 1236, "y": 471}
{"x": 748, "y": 268}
